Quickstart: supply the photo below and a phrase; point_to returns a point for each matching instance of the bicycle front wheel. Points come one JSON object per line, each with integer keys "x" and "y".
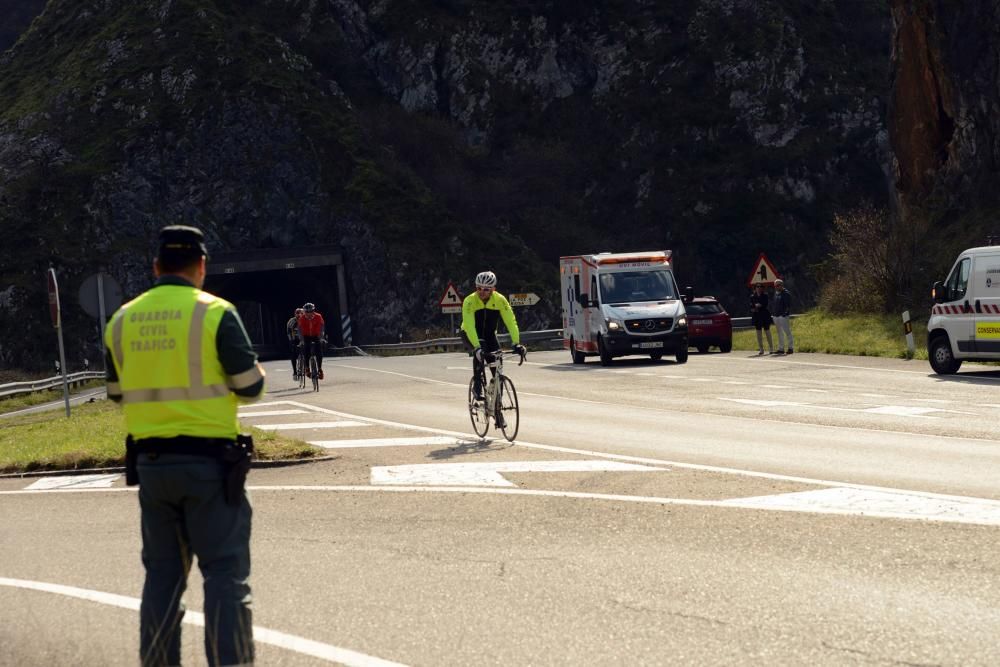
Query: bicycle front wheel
{"x": 508, "y": 412}
{"x": 314, "y": 371}
{"x": 301, "y": 372}
{"x": 477, "y": 412}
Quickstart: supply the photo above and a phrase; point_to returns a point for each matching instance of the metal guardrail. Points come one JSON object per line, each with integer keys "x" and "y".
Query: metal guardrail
{"x": 73, "y": 379}
{"x": 455, "y": 343}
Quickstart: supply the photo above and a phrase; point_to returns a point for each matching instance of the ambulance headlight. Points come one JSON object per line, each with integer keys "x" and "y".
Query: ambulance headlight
{"x": 615, "y": 325}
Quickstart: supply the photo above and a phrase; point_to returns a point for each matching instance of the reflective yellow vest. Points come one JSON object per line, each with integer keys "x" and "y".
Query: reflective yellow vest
{"x": 171, "y": 380}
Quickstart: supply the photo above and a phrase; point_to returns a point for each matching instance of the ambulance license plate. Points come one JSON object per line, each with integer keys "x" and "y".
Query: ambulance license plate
{"x": 648, "y": 345}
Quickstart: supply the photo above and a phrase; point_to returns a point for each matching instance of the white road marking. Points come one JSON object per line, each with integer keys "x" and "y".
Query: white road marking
{"x": 896, "y": 410}
{"x": 703, "y": 379}
{"x": 858, "y": 501}
{"x": 488, "y": 474}
{"x": 268, "y": 404}
{"x": 774, "y": 386}
{"x": 289, "y": 427}
{"x": 395, "y": 442}
{"x": 976, "y": 511}
{"x": 876, "y": 395}
{"x": 74, "y": 482}
{"x": 603, "y": 455}
{"x": 764, "y": 404}
{"x": 734, "y": 382}
{"x": 902, "y": 410}
{"x": 282, "y": 640}
{"x": 272, "y": 413}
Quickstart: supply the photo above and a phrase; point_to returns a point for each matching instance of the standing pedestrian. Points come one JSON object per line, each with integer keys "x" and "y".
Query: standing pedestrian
{"x": 761, "y": 318}
{"x": 782, "y": 316}
{"x": 179, "y": 361}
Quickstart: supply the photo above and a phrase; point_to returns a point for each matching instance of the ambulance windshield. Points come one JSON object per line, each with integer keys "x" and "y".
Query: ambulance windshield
{"x": 633, "y": 286}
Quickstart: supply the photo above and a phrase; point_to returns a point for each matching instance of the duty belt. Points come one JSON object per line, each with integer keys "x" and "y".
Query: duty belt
{"x": 183, "y": 444}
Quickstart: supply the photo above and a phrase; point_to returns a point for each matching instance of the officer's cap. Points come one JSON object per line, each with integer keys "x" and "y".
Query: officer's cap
{"x": 182, "y": 240}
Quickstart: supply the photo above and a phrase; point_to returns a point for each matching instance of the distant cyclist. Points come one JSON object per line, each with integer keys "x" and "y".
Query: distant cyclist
{"x": 481, "y": 314}
{"x": 312, "y": 328}
{"x": 292, "y": 331}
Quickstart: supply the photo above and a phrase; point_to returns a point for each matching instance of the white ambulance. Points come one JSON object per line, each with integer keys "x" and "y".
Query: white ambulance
{"x": 617, "y": 304}
{"x": 965, "y": 318}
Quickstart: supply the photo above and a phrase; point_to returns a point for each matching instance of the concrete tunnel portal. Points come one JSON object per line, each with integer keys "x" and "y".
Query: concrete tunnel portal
{"x": 267, "y": 285}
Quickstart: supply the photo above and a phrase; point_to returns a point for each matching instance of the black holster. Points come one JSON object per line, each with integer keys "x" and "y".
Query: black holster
{"x": 236, "y": 457}
{"x": 131, "y": 457}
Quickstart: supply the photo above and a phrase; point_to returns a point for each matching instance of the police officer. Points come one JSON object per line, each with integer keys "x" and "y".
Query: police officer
{"x": 179, "y": 361}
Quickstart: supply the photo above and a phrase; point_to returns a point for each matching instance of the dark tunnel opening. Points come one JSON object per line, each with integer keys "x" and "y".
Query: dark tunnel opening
{"x": 267, "y": 289}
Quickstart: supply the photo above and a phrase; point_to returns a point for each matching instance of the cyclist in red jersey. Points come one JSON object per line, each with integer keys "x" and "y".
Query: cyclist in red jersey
{"x": 312, "y": 328}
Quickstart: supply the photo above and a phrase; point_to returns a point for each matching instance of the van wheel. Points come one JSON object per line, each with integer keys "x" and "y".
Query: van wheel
{"x": 578, "y": 356}
{"x": 942, "y": 360}
{"x": 702, "y": 349}
{"x": 726, "y": 347}
{"x": 603, "y": 351}
{"x": 682, "y": 356}
{"x": 656, "y": 356}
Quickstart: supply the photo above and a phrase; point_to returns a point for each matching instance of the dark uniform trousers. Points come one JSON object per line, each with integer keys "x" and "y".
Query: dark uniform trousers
{"x": 185, "y": 514}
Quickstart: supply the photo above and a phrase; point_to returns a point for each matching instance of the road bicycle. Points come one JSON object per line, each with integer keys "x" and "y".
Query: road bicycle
{"x": 499, "y": 402}
{"x": 312, "y": 365}
{"x": 300, "y": 364}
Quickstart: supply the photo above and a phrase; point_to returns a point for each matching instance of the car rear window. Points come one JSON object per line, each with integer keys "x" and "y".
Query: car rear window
{"x": 703, "y": 308}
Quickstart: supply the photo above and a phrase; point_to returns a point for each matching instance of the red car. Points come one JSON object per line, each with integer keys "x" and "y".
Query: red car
{"x": 708, "y": 324}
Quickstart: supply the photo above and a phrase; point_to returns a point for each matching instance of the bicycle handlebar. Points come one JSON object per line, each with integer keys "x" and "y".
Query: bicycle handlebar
{"x": 502, "y": 352}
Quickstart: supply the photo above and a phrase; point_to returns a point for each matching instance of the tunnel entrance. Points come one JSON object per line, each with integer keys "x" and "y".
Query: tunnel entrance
{"x": 266, "y": 286}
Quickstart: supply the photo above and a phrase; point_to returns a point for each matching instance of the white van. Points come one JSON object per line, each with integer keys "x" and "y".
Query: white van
{"x": 965, "y": 318}
{"x": 621, "y": 304}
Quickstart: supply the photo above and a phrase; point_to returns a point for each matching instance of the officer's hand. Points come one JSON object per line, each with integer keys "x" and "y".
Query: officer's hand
{"x": 520, "y": 350}
{"x": 478, "y": 354}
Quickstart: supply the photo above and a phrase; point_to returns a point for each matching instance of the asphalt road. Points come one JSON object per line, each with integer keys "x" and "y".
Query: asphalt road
{"x": 729, "y": 511}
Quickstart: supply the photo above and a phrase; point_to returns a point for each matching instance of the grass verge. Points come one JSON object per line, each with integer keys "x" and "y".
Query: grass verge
{"x": 94, "y": 437}
{"x": 861, "y": 335}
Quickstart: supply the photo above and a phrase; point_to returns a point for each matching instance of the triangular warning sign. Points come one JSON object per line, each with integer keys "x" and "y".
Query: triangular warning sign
{"x": 451, "y": 298}
{"x": 763, "y": 272}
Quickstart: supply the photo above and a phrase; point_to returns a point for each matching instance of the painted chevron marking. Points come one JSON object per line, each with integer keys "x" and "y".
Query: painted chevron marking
{"x": 394, "y": 442}
{"x": 866, "y": 501}
{"x": 488, "y": 474}
{"x": 272, "y": 413}
{"x": 73, "y": 482}
{"x": 343, "y": 423}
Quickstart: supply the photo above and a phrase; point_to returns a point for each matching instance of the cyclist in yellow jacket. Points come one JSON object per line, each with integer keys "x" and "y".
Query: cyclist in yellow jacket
{"x": 179, "y": 361}
{"x": 481, "y": 315}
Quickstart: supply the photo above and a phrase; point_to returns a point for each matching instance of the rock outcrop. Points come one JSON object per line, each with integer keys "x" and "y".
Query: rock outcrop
{"x": 432, "y": 139}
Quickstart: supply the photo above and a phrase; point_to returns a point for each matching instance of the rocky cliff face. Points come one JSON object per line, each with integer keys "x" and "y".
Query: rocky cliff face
{"x": 945, "y": 112}
{"x": 432, "y": 139}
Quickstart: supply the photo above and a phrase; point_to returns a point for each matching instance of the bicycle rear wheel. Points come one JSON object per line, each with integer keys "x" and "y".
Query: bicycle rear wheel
{"x": 508, "y": 412}
{"x": 314, "y": 372}
{"x": 299, "y": 363}
{"x": 477, "y": 412}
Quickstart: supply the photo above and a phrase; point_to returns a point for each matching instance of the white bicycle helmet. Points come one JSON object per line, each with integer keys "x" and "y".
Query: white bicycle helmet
{"x": 486, "y": 279}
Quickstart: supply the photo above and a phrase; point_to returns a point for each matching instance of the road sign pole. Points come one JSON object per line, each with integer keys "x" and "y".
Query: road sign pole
{"x": 62, "y": 365}
{"x": 54, "y": 311}
{"x": 101, "y": 320}
{"x": 908, "y": 330}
